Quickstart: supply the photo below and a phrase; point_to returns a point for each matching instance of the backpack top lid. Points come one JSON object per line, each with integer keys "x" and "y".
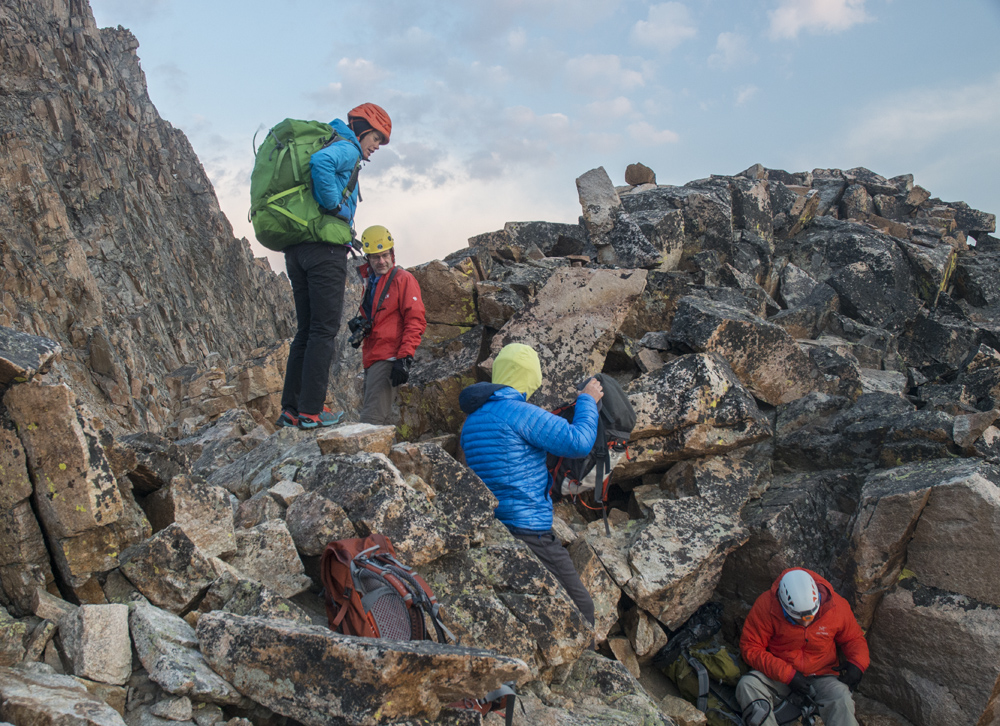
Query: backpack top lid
{"x": 616, "y": 410}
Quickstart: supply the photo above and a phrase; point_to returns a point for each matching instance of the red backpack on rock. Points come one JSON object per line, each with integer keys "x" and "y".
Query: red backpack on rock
{"x": 368, "y": 592}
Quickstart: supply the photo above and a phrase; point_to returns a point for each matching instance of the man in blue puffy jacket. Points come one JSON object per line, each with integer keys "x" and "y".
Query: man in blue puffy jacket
{"x": 318, "y": 270}
{"x": 506, "y": 439}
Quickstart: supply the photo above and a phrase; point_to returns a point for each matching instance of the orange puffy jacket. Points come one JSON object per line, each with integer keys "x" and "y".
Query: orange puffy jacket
{"x": 778, "y": 648}
{"x": 399, "y": 324}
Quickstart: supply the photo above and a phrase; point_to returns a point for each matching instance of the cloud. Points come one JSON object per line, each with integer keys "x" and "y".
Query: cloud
{"x": 610, "y": 110}
{"x": 360, "y": 72}
{"x": 745, "y": 93}
{"x": 516, "y": 39}
{"x": 909, "y": 122}
{"x": 646, "y": 133}
{"x": 127, "y": 11}
{"x": 668, "y": 26}
{"x": 816, "y": 16}
{"x": 731, "y": 50}
{"x": 171, "y": 77}
{"x": 601, "y": 75}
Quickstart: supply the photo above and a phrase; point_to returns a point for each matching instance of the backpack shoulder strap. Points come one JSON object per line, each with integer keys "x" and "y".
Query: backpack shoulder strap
{"x": 703, "y": 681}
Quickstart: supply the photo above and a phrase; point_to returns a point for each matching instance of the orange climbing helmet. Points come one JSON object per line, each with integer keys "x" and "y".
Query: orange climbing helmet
{"x": 375, "y": 116}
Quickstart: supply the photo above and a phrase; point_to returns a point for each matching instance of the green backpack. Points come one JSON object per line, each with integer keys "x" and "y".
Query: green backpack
{"x": 283, "y": 210}
{"x": 706, "y": 674}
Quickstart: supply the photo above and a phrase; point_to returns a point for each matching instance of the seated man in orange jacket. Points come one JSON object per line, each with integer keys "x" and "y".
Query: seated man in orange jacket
{"x": 790, "y": 639}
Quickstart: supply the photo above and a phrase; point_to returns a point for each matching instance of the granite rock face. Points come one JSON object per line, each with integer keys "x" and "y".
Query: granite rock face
{"x": 107, "y": 203}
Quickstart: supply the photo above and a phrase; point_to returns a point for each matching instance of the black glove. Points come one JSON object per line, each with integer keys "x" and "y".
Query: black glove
{"x": 400, "y": 371}
{"x": 799, "y": 684}
{"x": 850, "y": 674}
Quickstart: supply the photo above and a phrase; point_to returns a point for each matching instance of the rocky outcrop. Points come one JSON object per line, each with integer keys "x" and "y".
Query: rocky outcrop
{"x": 814, "y": 359}
{"x": 112, "y": 240}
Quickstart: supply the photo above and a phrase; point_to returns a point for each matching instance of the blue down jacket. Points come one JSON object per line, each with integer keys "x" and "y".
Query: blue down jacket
{"x": 331, "y": 169}
{"x": 505, "y": 440}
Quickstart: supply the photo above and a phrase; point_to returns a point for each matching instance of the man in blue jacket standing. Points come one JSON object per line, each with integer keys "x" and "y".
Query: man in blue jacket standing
{"x": 318, "y": 270}
{"x": 506, "y": 439}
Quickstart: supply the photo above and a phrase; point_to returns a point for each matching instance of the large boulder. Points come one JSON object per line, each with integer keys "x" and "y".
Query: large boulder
{"x": 693, "y": 406}
{"x": 935, "y": 657}
{"x": 202, "y": 511}
{"x": 572, "y": 326}
{"x": 22, "y": 355}
{"x": 168, "y": 649}
{"x": 168, "y": 569}
{"x": 428, "y": 401}
{"x": 322, "y": 678}
{"x": 940, "y": 519}
{"x": 500, "y": 596}
{"x": 29, "y": 697}
{"x": 24, "y": 559}
{"x": 670, "y": 561}
{"x": 763, "y": 356}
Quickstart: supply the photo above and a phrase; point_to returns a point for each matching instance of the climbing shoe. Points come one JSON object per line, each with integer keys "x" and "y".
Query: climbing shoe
{"x": 324, "y": 418}
{"x": 287, "y": 419}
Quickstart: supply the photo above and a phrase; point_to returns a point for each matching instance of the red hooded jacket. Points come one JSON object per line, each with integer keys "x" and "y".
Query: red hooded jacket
{"x": 399, "y": 324}
{"x": 778, "y": 648}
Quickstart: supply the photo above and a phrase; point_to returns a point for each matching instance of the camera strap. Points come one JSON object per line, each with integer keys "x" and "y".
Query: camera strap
{"x": 384, "y": 295}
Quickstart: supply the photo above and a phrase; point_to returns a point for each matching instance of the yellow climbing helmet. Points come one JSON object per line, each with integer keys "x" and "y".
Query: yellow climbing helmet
{"x": 376, "y": 240}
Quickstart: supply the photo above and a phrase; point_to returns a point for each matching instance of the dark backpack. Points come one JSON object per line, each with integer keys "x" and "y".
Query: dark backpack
{"x": 593, "y": 472}
{"x": 370, "y": 593}
{"x": 283, "y": 210}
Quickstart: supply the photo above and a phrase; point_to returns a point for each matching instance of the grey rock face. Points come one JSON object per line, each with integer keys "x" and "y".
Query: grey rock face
{"x": 914, "y": 621}
{"x": 669, "y": 573}
{"x": 23, "y": 355}
{"x": 572, "y": 326}
{"x": 97, "y": 642}
{"x": 168, "y": 649}
{"x": 266, "y": 553}
{"x": 693, "y": 406}
{"x": 168, "y": 569}
{"x": 28, "y": 697}
{"x": 762, "y": 355}
{"x": 311, "y": 674}
{"x": 128, "y": 210}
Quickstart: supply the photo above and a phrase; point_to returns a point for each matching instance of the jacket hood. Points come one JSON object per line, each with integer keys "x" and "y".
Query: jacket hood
{"x": 345, "y": 132}
{"x": 472, "y": 398}
{"x": 517, "y": 366}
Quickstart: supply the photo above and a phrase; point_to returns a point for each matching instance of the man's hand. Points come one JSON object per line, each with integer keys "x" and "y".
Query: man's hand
{"x": 850, "y": 674}
{"x": 799, "y": 684}
{"x": 400, "y": 373}
{"x": 594, "y": 389}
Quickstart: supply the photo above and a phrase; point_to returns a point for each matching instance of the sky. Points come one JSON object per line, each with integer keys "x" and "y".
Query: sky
{"x": 498, "y": 106}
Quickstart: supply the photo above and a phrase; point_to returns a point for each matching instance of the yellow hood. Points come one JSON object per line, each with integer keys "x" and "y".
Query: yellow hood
{"x": 517, "y": 366}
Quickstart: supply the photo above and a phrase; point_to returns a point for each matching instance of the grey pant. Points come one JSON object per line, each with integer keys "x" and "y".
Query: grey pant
{"x": 377, "y": 406}
{"x": 557, "y": 561}
{"x": 836, "y": 706}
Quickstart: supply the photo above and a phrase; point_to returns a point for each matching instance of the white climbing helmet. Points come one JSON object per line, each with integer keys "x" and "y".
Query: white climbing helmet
{"x": 799, "y": 596}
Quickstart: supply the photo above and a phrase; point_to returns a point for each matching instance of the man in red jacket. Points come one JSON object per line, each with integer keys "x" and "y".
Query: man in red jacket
{"x": 790, "y": 639}
{"x": 390, "y": 324}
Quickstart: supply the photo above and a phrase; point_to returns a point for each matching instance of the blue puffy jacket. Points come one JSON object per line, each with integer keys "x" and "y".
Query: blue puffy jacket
{"x": 331, "y": 169}
{"x": 505, "y": 440}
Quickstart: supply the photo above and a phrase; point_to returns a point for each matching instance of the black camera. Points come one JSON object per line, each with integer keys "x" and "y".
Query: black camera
{"x": 360, "y": 328}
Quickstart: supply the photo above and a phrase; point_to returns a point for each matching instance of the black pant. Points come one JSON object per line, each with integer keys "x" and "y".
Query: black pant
{"x": 557, "y": 561}
{"x": 318, "y": 273}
